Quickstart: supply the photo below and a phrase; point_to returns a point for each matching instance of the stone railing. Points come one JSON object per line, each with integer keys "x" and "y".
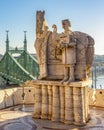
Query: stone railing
{"x": 96, "y": 97}
{"x": 58, "y": 102}
{"x": 13, "y": 96}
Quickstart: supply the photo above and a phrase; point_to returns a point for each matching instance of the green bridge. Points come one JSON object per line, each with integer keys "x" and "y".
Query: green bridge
{"x": 18, "y": 69}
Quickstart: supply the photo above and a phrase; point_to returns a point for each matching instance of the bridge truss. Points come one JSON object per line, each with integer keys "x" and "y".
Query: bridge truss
{"x": 18, "y": 69}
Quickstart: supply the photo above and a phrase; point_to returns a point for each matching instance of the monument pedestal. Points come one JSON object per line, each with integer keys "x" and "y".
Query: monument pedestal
{"x": 61, "y": 102}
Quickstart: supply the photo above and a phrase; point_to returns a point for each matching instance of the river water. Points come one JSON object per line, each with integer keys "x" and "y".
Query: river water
{"x": 99, "y": 82}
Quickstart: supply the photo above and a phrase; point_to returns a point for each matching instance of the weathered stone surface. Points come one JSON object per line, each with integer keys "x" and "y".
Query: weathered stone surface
{"x": 2, "y": 98}
{"x": 63, "y": 55}
{"x": 61, "y": 102}
{"x": 58, "y": 83}
{"x": 38, "y": 101}
{"x": 8, "y": 97}
{"x": 44, "y": 110}
{"x": 50, "y": 101}
{"x": 63, "y": 61}
{"x": 69, "y": 113}
{"x": 13, "y": 96}
{"x": 55, "y": 104}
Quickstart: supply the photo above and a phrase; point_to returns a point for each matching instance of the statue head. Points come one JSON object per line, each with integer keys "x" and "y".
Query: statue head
{"x": 66, "y": 24}
{"x": 54, "y": 28}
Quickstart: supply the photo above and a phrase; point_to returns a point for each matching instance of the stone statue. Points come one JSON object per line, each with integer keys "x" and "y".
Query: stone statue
{"x": 55, "y": 39}
{"x": 64, "y": 60}
{"x": 66, "y": 56}
{"x": 42, "y": 34}
{"x": 68, "y": 45}
{"x": 39, "y": 22}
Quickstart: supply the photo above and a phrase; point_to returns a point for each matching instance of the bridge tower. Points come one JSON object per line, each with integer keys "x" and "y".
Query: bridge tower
{"x": 25, "y": 41}
{"x": 7, "y": 60}
{"x": 20, "y": 68}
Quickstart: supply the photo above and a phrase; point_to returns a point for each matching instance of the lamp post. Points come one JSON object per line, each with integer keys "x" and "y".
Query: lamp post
{"x": 95, "y": 75}
{"x": 23, "y": 95}
{"x": 92, "y": 78}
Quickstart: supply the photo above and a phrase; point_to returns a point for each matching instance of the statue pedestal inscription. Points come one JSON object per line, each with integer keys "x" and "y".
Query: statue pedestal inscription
{"x": 60, "y": 102}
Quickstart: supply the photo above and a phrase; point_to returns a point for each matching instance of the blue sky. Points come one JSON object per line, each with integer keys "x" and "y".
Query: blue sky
{"x": 19, "y": 15}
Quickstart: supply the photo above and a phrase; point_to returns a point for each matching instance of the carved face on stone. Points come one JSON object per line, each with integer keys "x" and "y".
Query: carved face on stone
{"x": 54, "y": 28}
{"x": 66, "y": 24}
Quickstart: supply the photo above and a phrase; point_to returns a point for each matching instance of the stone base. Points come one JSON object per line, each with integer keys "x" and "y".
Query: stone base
{"x": 68, "y": 122}
{"x": 44, "y": 116}
{"x": 36, "y": 116}
{"x": 79, "y": 123}
{"x": 61, "y": 102}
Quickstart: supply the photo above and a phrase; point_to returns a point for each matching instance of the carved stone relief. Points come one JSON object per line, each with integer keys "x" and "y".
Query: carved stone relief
{"x": 65, "y": 55}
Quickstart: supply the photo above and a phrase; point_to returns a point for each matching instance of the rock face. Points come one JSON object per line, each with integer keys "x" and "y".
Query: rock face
{"x": 67, "y": 56}
{"x": 61, "y": 92}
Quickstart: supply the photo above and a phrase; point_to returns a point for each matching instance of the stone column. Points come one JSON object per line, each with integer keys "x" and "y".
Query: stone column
{"x": 84, "y": 109}
{"x": 68, "y": 105}
{"x": 44, "y": 111}
{"x": 49, "y": 102}
{"x": 38, "y": 101}
{"x": 78, "y": 105}
{"x": 55, "y": 104}
{"x": 62, "y": 103}
{"x": 87, "y": 114}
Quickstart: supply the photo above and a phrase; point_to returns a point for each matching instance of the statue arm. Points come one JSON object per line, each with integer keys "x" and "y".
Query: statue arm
{"x": 72, "y": 42}
{"x": 63, "y": 42}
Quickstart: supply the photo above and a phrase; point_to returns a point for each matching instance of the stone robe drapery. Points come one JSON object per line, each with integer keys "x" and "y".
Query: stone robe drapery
{"x": 41, "y": 49}
{"x": 69, "y": 53}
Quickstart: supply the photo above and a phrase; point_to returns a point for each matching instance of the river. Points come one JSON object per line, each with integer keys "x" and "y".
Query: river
{"x": 99, "y": 82}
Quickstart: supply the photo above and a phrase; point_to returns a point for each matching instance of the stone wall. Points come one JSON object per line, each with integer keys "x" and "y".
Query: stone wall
{"x": 91, "y": 97}
{"x": 96, "y": 98}
{"x": 13, "y": 96}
